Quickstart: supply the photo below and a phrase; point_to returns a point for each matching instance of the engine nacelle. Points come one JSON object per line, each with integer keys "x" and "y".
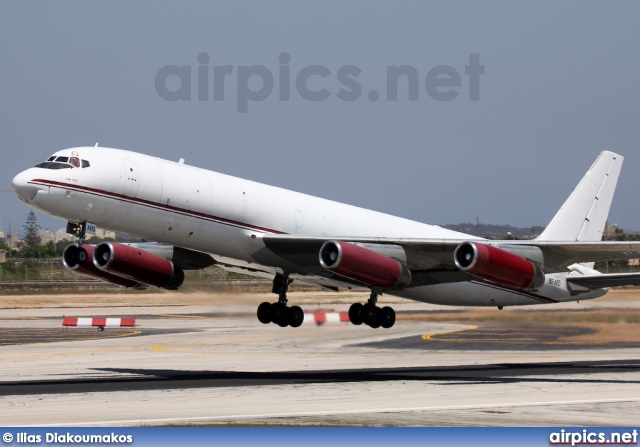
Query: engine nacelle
{"x": 137, "y": 265}
{"x": 363, "y": 265}
{"x": 80, "y": 260}
{"x": 497, "y": 265}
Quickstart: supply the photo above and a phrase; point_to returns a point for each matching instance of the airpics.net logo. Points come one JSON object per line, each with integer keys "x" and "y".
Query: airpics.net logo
{"x": 208, "y": 80}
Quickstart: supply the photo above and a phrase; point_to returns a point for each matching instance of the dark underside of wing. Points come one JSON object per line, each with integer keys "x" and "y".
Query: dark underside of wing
{"x": 435, "y": 256}
{"x": 605, "y": 280}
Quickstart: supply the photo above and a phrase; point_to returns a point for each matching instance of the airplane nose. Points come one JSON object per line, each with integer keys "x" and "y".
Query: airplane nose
{"x": 22, "y": 188}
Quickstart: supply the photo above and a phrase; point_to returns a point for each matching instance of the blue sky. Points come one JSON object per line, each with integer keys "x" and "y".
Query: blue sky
{"x": 560, "y": 84}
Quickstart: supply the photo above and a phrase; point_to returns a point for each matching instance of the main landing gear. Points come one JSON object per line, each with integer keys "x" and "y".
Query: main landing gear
{"x": 278, "y": 312}
{"x": 283, "y": 315}
{"x": 372, "y": 315}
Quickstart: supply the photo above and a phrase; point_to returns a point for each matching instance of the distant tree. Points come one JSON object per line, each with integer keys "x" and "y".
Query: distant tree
{"x": 61, "y": 245}
{"x": 31, "y": 228}
{"x": 41, "y": 252}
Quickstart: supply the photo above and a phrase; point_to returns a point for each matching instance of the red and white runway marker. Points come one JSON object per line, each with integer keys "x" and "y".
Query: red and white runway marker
{"x": 322, "y": 317}
{"x": 100, "y": 323}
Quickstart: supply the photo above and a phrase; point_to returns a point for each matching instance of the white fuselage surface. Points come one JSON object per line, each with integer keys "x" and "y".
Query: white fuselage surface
{"x": 225, "y": 216}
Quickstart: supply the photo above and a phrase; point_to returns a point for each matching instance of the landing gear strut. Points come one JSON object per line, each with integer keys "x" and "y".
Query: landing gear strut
{"x": 79, "y": 230}
{"x": 77, "y": 256}
{"x": 278, "y": 312}
{"x": 372, "y": 315}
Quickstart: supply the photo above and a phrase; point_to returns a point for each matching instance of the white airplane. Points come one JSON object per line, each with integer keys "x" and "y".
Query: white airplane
{"x": 206, "y": 217}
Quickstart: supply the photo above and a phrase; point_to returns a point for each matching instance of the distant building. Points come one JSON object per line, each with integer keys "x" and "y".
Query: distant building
{"x": 46, "y": 236}
{"x": 12, "y": 240}
{"x": 610, "y": 231}
{"x": 104, "y": 234}
{"x": 62, "y": 235}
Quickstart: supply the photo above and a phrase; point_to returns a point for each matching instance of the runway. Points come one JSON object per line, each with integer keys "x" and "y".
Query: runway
{"x": 215, "y": 364}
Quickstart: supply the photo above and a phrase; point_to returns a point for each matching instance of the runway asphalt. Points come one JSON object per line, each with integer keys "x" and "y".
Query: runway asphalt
{"x": 212, "y": 364}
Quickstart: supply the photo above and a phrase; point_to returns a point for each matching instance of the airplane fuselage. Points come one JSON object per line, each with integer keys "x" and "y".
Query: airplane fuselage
{"x": 181, "y": 205}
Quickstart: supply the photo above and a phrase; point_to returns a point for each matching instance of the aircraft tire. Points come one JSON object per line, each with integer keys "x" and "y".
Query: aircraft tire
{"x": 355, "y": 314}
{"x": 280, "y": 314}
{"x": 296, "y": 316}
{"x": 387, "y": 317}
{"x": 264, "y": 313}
{"x": 370, "y": 315}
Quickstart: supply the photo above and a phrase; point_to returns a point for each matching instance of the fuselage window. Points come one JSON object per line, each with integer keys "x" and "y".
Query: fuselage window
{"x": 85, "y": 163}
{"x": 62, "y": 159}
{"x": 53, "y": 157}
{"x": 75, "y": 162}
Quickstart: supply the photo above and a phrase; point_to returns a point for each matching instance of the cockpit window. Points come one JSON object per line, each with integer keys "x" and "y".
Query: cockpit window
{"x": 53, "y": 165}
{"x": 55, "y": 162}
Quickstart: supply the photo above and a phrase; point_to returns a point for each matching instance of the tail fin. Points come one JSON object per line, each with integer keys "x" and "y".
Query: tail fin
{"x": 584, "y": 215}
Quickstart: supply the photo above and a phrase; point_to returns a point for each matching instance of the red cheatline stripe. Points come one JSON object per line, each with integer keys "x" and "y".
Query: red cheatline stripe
{"x": 524, "y": 293}
{"x": 150, "y": 204}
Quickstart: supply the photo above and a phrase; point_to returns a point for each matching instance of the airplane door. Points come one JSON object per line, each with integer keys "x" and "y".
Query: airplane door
{"x": 131, "y": 178}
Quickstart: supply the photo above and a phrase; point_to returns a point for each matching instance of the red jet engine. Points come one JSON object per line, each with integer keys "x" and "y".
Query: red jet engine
{"x": 80, "y": 260}
{"x": 497, "y": 265}
{"x": 363, "y": 265}
{"x": 137, "y": 265}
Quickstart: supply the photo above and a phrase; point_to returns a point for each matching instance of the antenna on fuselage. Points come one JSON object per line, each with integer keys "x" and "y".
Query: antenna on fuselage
{"x": 96, "y": 144}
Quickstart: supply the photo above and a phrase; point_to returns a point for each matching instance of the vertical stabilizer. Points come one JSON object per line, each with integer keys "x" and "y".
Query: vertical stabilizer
{"x": 584, "y": 215}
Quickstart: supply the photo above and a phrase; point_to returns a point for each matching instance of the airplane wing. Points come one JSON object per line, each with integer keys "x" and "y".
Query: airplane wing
{"x": 426, "y": 253}
{"x": 431, "y": 261}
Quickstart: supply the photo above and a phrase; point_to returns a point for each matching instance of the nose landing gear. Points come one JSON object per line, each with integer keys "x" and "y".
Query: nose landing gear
{"x": 79, "y": 230}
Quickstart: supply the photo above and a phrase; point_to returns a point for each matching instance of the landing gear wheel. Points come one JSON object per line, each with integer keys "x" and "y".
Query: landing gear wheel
{"x": 370, "y": 315}
{"x": 387, "y": 317}
{"x": 264, "y": 313}
{"x": 296, "y": 316}
{"x": 355, "y": 314}
{"x": 280, "y": 314}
